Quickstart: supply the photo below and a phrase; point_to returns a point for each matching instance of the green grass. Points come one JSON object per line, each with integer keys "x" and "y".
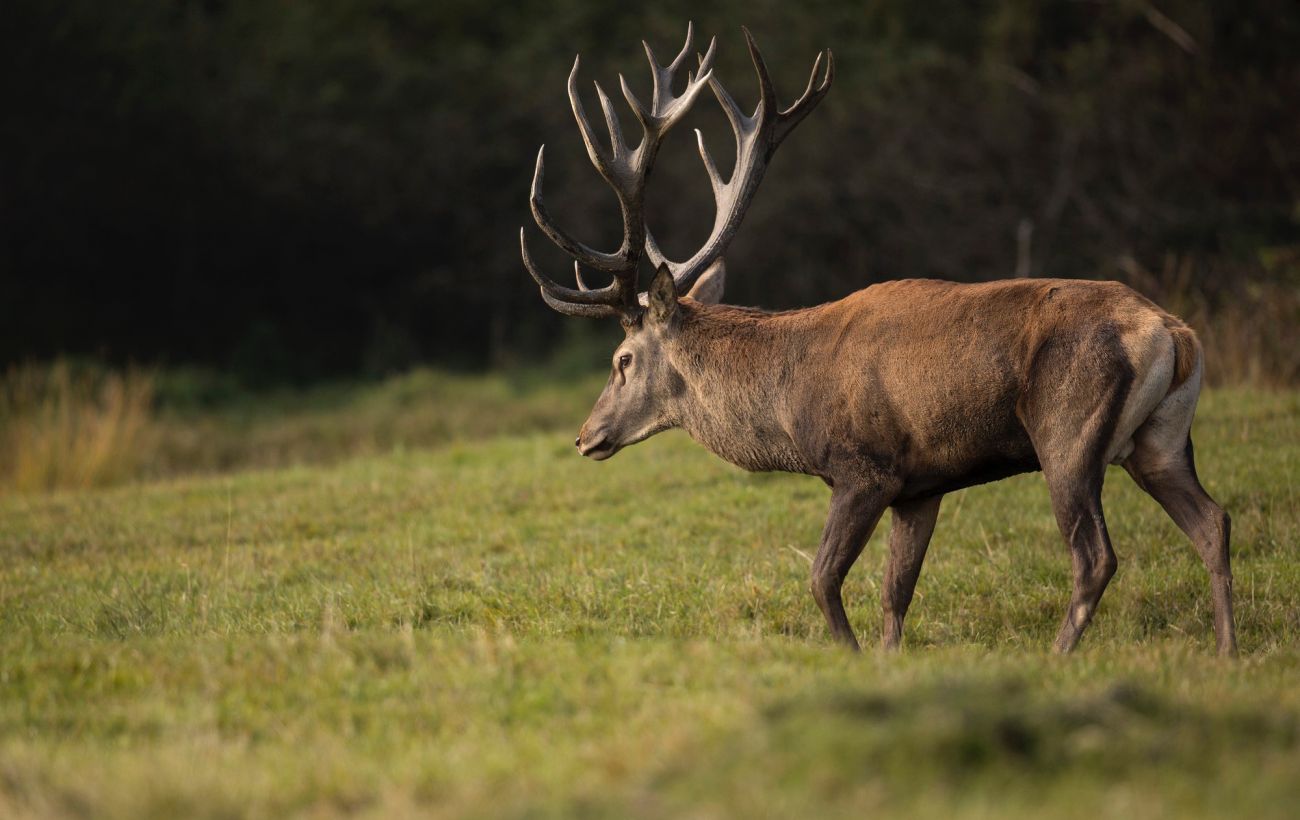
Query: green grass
{"x": 207, "y": 427}
{"x": 500, "y": 628}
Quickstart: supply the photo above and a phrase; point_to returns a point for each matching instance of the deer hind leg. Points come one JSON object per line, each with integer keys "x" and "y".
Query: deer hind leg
{"x": 909, "y": 537}
{"x": 1076, "y": 501}
{"x": 852, "y": 517}
{"x": 1073, "y": 408}
{"x": 1162, "y": 464}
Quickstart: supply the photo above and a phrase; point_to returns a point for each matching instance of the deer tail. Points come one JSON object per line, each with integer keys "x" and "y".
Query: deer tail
{"x": 1187, "y": 350}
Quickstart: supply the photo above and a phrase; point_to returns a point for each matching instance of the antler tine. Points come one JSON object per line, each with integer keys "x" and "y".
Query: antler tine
{"x": 594, "y": 150}
{"x": 662, "y": 76}
{"x": 665, "y": 109}
{"x": 585, "y": 296}
{"x": 703, "y": 76}
{"x": 577, "y": 276}
{"x": 589, "y": 256}
{"x": 811, "y": 96}
{"x": 583, "y": 311}
{"x": 740, "y": 124}
{"x": 822, "y": 88}
{"x": 715, "y": 179}
{"x": 719, "y": 188}
{"x": 686, "y": 48}
{"x": 656, "y": 89}
{"x": 766, "y": 90}
{"x": 616, "y": 143}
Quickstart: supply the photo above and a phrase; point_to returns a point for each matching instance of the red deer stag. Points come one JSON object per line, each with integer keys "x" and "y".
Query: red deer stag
{"x": 895, "y": 394}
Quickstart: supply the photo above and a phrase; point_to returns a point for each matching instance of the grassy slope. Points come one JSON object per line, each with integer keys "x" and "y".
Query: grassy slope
{"x": 502, "y": 627}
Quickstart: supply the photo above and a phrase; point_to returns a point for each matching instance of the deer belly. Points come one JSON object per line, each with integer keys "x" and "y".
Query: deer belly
{"x": 984, "y": 449}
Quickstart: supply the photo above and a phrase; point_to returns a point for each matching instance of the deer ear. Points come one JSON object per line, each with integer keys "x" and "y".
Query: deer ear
{"x": 662, "y": 301}
{"x": 708, "y": 288}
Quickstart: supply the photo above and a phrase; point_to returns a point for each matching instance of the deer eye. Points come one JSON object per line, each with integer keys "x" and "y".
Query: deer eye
{"x": 624, "y": 360}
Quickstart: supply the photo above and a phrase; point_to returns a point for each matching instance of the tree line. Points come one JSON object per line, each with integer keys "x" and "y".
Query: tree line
{"x": 300, "y": 190}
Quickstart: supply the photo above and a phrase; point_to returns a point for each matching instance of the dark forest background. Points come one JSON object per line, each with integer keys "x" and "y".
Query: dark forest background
{"x": 292, "y": 191}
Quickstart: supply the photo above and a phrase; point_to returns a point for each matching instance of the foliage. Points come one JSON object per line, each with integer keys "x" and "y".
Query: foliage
{"x": 499, "y": 628}
{"x": 295, "y": 190}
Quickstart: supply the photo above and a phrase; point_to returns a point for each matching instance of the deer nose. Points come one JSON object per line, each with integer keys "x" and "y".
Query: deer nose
{"x": 577, "y": 442}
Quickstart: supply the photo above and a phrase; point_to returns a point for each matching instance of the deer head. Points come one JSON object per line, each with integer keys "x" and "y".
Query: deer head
{"x": 638, "y": 400}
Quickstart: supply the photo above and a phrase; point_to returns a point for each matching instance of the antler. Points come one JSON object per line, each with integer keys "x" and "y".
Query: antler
{"x": 626, "y": 171}
{"x": 757, "y": 138}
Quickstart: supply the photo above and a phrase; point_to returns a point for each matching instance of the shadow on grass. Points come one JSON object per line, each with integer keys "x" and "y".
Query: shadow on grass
{"x": 892, "y": 747}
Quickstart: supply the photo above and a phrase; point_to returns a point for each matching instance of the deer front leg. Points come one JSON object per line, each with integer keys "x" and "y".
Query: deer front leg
{"x": 909, "y": 536}
{"x": 854, "y": 513}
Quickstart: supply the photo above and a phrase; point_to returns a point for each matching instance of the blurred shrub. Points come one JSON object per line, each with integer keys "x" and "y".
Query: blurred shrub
{"x": 64, "y": 426}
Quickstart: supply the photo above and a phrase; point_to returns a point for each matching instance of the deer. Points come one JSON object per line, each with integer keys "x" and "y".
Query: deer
{"x": 894, "y": 395}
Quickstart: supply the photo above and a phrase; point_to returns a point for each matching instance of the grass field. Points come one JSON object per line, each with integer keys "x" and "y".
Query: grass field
{"x": 497, "y": 627}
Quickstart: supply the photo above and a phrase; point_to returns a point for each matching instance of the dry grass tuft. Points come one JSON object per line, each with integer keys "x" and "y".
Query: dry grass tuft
{"x": 67, "y": 427}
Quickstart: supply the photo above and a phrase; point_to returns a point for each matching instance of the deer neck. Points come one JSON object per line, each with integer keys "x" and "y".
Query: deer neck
{"x": 736, "y": 374}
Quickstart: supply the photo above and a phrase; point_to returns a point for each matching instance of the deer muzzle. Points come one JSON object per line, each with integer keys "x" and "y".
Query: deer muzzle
{"x": 595, "y": 444}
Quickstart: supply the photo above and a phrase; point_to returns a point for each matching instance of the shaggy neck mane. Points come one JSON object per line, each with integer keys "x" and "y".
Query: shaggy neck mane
{"x": 736, "y": 376}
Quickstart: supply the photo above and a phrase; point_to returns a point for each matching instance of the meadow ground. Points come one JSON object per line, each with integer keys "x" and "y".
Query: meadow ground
{"x": 497, "y": 627}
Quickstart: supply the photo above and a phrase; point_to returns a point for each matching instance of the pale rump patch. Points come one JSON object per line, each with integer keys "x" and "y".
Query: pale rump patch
{"x": 1151, "y": 353}
{"x": 1163, "y": 437}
